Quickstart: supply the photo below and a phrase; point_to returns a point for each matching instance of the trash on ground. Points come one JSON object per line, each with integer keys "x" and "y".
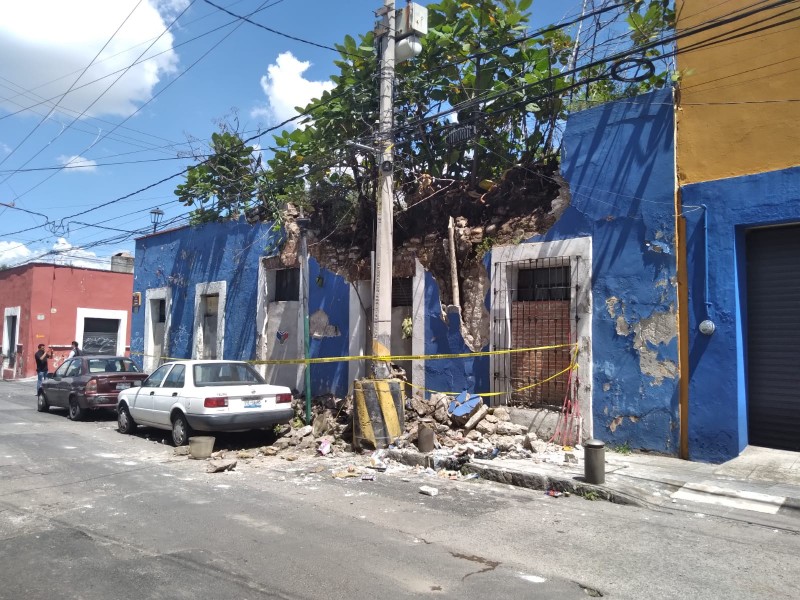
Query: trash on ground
{"x": 428, "y": 490}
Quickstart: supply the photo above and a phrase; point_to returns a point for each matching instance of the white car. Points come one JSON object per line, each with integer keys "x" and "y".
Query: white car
{"x": 203, "y": 395}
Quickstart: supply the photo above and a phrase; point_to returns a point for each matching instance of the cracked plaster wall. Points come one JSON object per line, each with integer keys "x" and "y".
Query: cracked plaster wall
{"x": 618, "y": 161}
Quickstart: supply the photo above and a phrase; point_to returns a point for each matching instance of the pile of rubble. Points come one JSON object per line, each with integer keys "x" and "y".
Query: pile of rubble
{"x": 468, "y": 427}
{"x": 451, "y": 431}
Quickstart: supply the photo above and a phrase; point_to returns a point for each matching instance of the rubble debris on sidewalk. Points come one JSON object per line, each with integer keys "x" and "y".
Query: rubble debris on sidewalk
{"x": 463, "y": 429}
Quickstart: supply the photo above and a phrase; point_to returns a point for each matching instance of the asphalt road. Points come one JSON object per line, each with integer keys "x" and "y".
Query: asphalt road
{"x": 86, "y": 512}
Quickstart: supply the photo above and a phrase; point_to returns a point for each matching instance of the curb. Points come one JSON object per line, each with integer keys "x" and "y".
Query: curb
{"x": 515, "y": 477}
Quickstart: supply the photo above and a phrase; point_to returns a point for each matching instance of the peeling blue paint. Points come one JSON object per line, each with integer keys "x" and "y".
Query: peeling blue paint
{"x": 618, "y": 160}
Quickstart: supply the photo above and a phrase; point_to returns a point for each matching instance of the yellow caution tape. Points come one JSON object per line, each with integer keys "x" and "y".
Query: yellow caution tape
{"x": 332, "y": 359}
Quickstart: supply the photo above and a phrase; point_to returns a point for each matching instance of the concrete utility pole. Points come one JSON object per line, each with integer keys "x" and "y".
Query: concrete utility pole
{"x": 382, "y": 301}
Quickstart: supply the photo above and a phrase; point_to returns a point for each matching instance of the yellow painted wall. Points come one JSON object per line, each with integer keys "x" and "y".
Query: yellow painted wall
{"x": 739, "y": 99}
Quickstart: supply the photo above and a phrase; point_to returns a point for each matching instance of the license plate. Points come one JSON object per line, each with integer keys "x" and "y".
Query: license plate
{"x": 123, "y": 386}
{"x": 252, "y": 403}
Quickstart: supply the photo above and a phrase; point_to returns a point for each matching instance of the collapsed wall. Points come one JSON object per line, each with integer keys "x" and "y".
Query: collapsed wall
{"x": 449, "y": 229}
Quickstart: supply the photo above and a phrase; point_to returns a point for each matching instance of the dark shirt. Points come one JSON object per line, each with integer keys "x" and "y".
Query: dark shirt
{"x": 41, "y": 361}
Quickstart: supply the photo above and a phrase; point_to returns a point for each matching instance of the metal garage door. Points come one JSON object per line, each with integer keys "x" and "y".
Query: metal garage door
{"x": 773, "y": 337}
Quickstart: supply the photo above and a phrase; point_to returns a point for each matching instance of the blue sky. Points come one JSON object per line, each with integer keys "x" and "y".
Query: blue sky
{"x": 81, "y": 129}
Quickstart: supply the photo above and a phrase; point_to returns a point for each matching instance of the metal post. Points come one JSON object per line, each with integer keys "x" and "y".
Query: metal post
{"x": 382, "y": 275}
{"x": 594, "y": 461}
{"x": 304, "y": 286}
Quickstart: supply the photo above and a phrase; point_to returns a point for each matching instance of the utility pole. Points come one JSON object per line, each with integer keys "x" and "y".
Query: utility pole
{"x": 382, "y": 300}
{"x": 303, "y": 223}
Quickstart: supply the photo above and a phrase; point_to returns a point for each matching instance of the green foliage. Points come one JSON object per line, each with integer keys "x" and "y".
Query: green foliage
{"x": 485, "y": 246}
{"x": 590, "y": 495}
{"x": 622, "y": 448}
{"x": 224, "y": 183}
{"x": 510, "y": 91}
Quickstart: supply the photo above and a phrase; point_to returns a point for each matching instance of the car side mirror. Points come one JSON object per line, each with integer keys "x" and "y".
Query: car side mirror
{"x": 51, "y": 375}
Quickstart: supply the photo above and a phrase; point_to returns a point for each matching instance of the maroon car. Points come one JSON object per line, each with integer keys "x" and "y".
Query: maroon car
{"x": 88, "y": 383}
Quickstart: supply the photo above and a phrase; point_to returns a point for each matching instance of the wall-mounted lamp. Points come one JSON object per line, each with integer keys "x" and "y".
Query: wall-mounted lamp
{"x": 155, "y": 217}
{"x": 707, "y": 327}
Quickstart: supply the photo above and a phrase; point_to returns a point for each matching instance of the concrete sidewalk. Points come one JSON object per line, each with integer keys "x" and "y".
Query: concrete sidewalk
{"x": 759, "y": 480}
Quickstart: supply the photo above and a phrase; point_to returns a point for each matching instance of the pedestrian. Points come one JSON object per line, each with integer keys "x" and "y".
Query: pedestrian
{"x": 75, "y": 350}
{"x": 41, "y": 366}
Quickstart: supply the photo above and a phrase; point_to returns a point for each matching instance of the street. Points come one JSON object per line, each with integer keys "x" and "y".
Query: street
{"x": 86, "y": 512}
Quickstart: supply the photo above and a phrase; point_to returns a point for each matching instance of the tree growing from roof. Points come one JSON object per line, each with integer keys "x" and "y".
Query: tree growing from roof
{"x": 482, "y": 97}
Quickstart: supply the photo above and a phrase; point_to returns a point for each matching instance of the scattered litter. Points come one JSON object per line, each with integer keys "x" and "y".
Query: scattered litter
{"x": 368, "y": 477}
{"x": 428, "y": 490}
{"x": 324, "y": 448}
{"x": 554, "y": 493}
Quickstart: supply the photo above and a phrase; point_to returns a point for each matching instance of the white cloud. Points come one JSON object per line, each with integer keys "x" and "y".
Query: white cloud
{"x": 77, "y": 163}
{"x": 60, "y": 253}
{"x": 286, "y": 88}
{"x": 52, "y": 41}
{"x": 12, "y": 253}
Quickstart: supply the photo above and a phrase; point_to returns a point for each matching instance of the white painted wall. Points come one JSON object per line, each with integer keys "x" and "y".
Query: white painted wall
{"x": 219, "y": 288}
{"x": 154, "y": 347}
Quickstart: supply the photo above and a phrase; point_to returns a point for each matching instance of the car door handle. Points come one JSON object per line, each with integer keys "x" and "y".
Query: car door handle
{"x": 152, "y": 393}
{"x": 174, "y": 394}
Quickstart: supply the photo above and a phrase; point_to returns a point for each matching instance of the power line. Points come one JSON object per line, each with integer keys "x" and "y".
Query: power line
{"x": 64, "y": 95}
{"x": 276, "y": 32}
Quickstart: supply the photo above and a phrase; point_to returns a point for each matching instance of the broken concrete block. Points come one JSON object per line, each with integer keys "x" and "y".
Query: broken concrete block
{"x": 281, "y": 444}
{"x": 244, "y": 454}
{"x": 269, "y": 450}
{"x": 486, "y": 427}
{"x": 502, "y": 414}
{"x": 322, "y": 424}
{"x": 182, "y": 451}
{"x": 476, "y": 418}
{"x": 304, "y": 431}
{"x": 218, "y": 466}
{"x": 428, "y": 490}
{"x": 474, "y": 435}
{"x": 421, "y": 407}
{"x": 491, "y": 418}
{"x": 463, "y": 407}
{"x": 509, "y": 428}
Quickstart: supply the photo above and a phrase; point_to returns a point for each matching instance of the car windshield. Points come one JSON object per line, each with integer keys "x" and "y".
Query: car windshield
{"x": 112, "y": 365}
{"x": 225, "y": 374}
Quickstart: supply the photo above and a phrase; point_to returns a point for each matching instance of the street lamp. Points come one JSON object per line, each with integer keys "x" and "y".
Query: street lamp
{"x": 155, "y": 217}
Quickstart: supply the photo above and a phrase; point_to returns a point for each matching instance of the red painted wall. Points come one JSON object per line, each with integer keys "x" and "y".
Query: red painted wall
{"x": 49, "y": 297}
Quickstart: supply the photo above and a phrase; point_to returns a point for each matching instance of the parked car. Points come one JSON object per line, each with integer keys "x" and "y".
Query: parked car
{"x": 88, "y": 383}
{"x": 204, "y": 395}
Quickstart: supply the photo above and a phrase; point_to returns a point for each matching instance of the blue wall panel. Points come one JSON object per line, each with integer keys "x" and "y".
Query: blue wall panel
{"x": 444, "y": 337}
{"x": 717, "y": 363}
{"x": 618, "y": 161}
{"x": 231, "y": 252}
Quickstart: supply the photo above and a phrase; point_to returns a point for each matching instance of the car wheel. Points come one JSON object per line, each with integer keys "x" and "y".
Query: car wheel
{"x": 42, "y": 405}
{"x": 125, "y": 422}
{"x": 180, "y": 430}
{"x": 75, "y": 410}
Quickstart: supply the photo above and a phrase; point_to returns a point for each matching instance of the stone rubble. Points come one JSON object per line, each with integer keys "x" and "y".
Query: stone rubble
{"x": 488, "y": 433}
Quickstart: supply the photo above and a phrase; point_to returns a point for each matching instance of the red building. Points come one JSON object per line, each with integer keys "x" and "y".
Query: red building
{"x": 54, "y": 305}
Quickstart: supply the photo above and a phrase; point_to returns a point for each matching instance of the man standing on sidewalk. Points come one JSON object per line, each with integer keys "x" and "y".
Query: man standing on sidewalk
{"x": 41, "y": 366}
